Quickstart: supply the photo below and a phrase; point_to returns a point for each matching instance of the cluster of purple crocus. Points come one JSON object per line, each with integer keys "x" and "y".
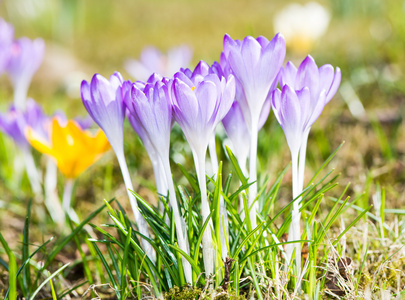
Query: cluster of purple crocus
{"x": 20, "y": 59}
{"x": 238, "y": 91}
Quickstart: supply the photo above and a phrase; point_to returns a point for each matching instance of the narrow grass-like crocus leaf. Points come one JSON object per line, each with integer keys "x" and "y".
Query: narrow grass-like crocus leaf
{"x": 227, "y": 183}
{"x": 273, "y": 192}
{"x": 196, "y": 268}
{"x": 199, "y": 239}
{"x": 191, "y": 179}
{"x": 236, "y": 166}
{"x": 148, "y": 265}
{"x": 108, "y": 270}
{"x": 246, "y": 240}
{"x": 124, "y": 264}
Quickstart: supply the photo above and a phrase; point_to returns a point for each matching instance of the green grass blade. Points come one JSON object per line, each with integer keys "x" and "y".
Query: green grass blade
{"x": 26, "y": 253}
{"x": 235, "y": 164}
{"x": 255, "y": 281}
{"x": 12, "y": 271}
{"x": 199, "y": 239}
{"x": 85, "y": 264}
{"x": 245, "y": 240}
{"x": 4, "y": 264}
{"x": 196, "y": 268}
{"x": 361, "y": 267}
{"x": 108, "y": 270}
{"x": 124, "y": 264}
{"x": 46, "y": 281}
{"x": 54, "y": 297}
{"x": 67, "y": 292}
{"x": 326, "y": 162}
{"x": 190, "y": 178}
{"x": 351, "y": 225}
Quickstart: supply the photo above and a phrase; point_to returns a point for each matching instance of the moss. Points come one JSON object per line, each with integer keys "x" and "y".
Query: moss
{"x": 185, "y": 293}
{"x": 188, "y": 293}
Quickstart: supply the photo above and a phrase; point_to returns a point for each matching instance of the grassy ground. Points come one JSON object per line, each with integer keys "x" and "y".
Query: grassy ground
{"x": 365, "y": 39}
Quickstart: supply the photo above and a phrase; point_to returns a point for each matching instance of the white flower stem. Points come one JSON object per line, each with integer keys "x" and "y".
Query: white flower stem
{"x": 223, "y": 216}
{"x": 294, "y": 232}
{"x": 67, "y": 199}
{"x": 213, "y": 155}
{"x": 303, "y": 151}
{"x": 140, "y": 221}
{"x": 67, "y": 194}
{"x": 20, "y": 93}
{"x": 52, "y": 202}
{"x": 179, "y": 223}
{"x": 253, "y": 174}
{"x": 160, "y": 177}
{"x": 208, "y": 247}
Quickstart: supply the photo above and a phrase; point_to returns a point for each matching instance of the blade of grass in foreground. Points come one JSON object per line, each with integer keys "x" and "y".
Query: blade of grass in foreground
{"x": 46, "y": 280}
{"x": 108, "y": 270}
{"x": 235, "y": 164}
{"x": 25, "y": 252}
{"x": 12, "y": 271}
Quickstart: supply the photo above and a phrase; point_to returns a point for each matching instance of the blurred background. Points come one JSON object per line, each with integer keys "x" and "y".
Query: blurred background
{"x": 365, "y": 38}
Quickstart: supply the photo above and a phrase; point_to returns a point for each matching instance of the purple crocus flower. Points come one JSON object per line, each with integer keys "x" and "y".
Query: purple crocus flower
{"x": 305, "y": 92}
{"x": 15, "y": 121}
{"x": 104, "y": 102}
{"x": 292, "y": 110}
{"x": 255, "y": 64}
{"x": 318, "y": 80}
{"x": 153, "y": 60}
{"x": 133, "y": 119}
{"x": 200, "y": 102}
{"x": 85, "y": 122}
{"x": 151, "y": 106}
{"x": 25, "y": 58}
{"x": 100, "y": 100}
{"x": 150, "y": 113}
{"x": 6, "y": 40}
{"x": 238, "y": 133}
{"x": 13, "y": 124}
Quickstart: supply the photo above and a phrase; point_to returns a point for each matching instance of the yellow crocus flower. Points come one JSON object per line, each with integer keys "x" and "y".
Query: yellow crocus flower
{"x": 73, "y": 148}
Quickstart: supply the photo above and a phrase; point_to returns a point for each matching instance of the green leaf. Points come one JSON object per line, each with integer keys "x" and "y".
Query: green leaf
{"x": 235, "y": 164}
{"x": 46, "y": 281}
{"x": 12, "y": 271}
